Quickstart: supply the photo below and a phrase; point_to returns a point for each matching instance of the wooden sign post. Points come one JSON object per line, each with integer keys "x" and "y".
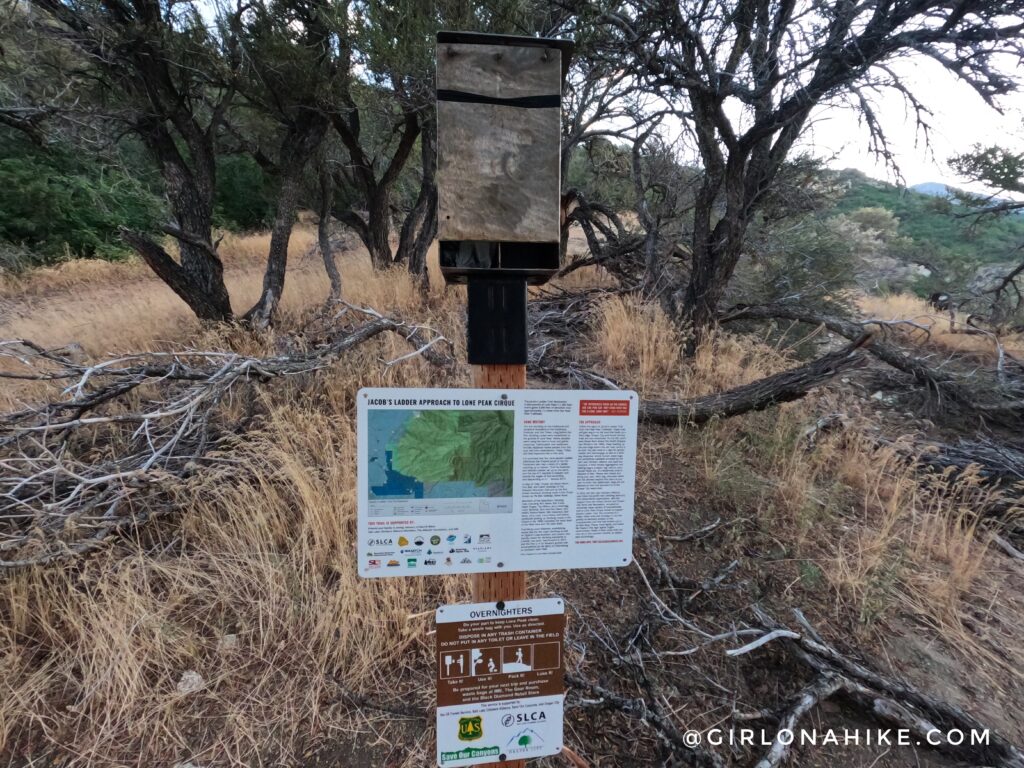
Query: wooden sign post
{"x": 489, "y": 587}
{"x": 499, "y": 191}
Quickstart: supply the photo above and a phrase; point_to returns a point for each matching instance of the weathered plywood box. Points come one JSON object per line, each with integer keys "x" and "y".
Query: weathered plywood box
{"x": 498, "y": 151}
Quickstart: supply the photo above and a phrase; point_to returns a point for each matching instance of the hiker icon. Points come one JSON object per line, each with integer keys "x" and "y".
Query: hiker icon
{"x": 516, "y": 658}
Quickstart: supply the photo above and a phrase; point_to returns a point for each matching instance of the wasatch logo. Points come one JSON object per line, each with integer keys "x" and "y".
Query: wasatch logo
{"x": 525, "y": 739}
{"x": 471, "y": 728}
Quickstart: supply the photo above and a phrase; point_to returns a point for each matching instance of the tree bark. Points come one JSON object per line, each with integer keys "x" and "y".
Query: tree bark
{"x": 922, "y": 372}
{"x": 205, "y": 305}
{"x": 378, "y": 229}
{"x": 190, "y": 192}
{"x": 420, "y": 226}
{"x": 324, "y": 234}
{"x": 375, "y": 229}
{"x": 299, "y": 144}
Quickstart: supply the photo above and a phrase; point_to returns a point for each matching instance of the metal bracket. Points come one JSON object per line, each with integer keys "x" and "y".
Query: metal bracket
{"x": 496, "y": 324}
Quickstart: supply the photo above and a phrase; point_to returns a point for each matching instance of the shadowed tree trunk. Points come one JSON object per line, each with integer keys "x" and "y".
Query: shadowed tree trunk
{"x": 420, "y": 226}
{"x": 375, "y": 228}
{"x": 748, "y": 74}
{"x": 300, "y": 143}
{"x": 152, "y": 72}
{"x": 323, "y": 233}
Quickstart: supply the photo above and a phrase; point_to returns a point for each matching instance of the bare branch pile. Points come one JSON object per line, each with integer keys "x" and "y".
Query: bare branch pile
{"x": 107, "y": 454}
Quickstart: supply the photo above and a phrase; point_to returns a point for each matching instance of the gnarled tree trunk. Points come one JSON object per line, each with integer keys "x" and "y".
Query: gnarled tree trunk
{"x": 323, "y": 233}
{"x": 198, "y": 276}
{"x": 420, "y": 226}
{"x": 300, "y": 142}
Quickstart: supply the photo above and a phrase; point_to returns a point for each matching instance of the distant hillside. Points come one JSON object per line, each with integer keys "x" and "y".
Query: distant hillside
{"x": 934, "y": 189}
{"x": 952, "y": 246}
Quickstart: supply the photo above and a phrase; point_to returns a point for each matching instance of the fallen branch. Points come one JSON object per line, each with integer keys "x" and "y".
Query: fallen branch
{"x": 899, "y": 703}
{"x": 928, "y": 375}
{"x": 781, "y": 388}
{"x": 649, "y": 713}
{"x": 77, "y": 470}
{"x": 806, "y": 700}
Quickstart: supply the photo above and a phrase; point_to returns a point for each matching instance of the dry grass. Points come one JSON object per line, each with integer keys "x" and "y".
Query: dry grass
{"x": 891, "y": 538}
{"x": 258, "y": 595}
{"x": 254, "y": 589}
{"x": 109, "y": 307}
{"x": 883, "y": 537}
{"x": 904, "y": 306}
{"x": 636, "y": 342}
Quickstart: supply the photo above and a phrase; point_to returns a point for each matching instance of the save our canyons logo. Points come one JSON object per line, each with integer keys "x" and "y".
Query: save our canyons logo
{"x": 471, "y": 728}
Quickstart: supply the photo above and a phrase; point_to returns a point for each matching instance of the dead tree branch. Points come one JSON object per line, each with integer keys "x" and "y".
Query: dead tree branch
{"x": 781, "y": 388}
{"x": 105, "y": 455}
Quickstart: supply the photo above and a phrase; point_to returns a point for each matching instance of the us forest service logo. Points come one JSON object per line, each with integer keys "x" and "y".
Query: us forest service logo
{"x": 471, "y": 728}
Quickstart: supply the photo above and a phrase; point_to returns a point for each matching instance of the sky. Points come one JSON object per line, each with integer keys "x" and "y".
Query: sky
{"x": 961, "y": 119}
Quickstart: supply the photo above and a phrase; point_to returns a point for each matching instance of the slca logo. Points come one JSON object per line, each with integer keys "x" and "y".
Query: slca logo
{"x": 519, "y": 718}
{"x": 471, "y": 728}
{"x": 380, "y": 542}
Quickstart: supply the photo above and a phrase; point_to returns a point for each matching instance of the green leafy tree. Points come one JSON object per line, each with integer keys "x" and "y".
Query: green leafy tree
{"x": 59, "y": 203}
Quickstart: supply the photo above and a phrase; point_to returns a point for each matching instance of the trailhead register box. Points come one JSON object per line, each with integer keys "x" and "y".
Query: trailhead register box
{"x": 482, "y": 480}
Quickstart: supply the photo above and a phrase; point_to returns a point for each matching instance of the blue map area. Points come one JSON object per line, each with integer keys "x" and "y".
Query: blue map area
{"x": 397, "y": 484}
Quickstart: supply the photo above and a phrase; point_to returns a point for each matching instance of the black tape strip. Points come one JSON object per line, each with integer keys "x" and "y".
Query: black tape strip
{"x": 523, "y": 102}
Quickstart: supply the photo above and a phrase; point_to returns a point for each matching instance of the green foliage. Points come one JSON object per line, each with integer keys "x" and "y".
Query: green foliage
{"x": 931, "y": 235}
{"x": 60, "y": 203}
{"x": 814, "y": 258}
{"x": 602, "y": 171}
{"x": 473, "y": 446}
{"x": 994, "y": 166}
{"x": 244, "y": 199}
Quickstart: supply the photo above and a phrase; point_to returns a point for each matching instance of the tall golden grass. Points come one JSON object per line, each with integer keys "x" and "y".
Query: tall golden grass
{"x": 946, "y": 336}
{"x": 252, "y": 595}
{"x": 884, "y": 535}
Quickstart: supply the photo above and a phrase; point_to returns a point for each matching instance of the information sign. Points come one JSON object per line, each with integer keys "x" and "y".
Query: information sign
{"x": 483, "y": 480}
{"x": 500, "y": 686}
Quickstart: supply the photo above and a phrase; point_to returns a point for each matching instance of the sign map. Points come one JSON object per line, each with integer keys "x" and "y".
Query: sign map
{"x": 477, "y": 480}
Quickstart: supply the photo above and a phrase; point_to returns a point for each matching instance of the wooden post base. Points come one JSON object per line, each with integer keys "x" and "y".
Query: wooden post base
{"x": 492, "y": 587}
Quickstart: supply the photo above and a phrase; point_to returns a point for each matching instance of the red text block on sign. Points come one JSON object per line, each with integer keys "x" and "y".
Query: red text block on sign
{"x": 604, "y": 407}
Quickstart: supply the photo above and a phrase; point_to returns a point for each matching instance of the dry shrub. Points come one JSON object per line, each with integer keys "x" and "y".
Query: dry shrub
{"x": 904, "y": 306}
{"x": 586, "y": 277}
{"x": 253, "y": 587}
{"x": 910, "y": 539}
{"x": 724, "y": 361}
{"x": 636, "y": 341}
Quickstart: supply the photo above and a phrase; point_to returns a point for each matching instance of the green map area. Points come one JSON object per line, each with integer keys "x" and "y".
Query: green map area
{"x": 474, "y": 447}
